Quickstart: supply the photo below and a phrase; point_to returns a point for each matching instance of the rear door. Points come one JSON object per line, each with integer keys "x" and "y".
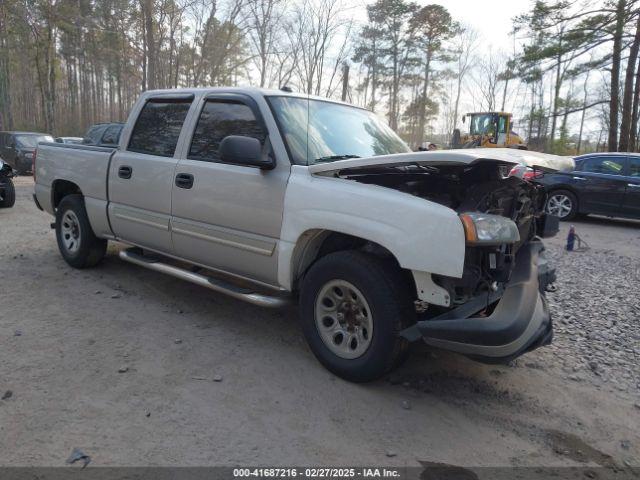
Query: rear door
{"x": 141, "y": 175}
{"x": 228, "y": 217}
{"x": 601, "y": 183}
{"x": 631, "y": 206}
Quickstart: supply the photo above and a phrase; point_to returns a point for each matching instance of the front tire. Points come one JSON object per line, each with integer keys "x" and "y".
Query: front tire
{"x": 77, "y": 243}
{"x": 562, "y": 204}
{"x": 8, "y": 193}
{"x": 353, "y": 307}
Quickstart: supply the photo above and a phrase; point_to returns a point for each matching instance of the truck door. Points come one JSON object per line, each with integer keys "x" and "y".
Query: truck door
{"x": 225, "y": 216}
{"x": 141, "y": 174}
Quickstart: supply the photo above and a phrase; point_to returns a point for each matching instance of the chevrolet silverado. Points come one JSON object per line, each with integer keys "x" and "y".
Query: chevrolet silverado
{"x": 271, "y": 197}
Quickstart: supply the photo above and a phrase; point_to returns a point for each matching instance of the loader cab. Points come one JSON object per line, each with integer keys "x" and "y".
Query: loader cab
{"x": 488, "y": 130}
{"x": 492, "y": 127}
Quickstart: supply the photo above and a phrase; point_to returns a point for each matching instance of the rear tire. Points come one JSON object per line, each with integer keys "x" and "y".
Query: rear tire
{"x": 353, "y": 307}
{"x": 77, "y": 243}
{"x": 563, "y": 204}
{"x": 9, "y": 193}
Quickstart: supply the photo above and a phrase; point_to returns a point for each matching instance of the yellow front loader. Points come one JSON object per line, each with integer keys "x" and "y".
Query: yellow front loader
{"x": 488, "y": 130}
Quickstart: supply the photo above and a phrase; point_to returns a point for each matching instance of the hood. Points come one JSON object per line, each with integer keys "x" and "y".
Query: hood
{"x": 510, "y": 156}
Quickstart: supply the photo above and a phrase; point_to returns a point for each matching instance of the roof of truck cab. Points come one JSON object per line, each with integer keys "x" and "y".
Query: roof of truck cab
{"x": 251, "y": 91}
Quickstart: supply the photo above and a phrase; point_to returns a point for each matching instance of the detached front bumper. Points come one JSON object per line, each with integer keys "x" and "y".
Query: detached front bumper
{"x": 519, "y": 323}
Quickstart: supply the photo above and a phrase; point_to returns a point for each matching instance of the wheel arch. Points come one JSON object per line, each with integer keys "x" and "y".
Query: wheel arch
{"x": 314, "y": 244}
{"x": 61, "y": 188}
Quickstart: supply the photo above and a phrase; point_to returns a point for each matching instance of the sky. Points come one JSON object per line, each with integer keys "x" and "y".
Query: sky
{"x": 492, "y": 19}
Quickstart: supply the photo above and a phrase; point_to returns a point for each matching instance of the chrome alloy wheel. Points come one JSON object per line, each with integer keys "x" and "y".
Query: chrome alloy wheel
{"x": 70, "y": 230}
{"x": 343, "y": 319}
{"x": 559, "y": 205}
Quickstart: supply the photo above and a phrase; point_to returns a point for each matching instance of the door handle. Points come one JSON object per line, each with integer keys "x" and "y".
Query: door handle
{"x": 125, "y": 172}
{"x": 633, "y": 185}
{"x": 184, "y": 180}
{"x": 579, "y": 178}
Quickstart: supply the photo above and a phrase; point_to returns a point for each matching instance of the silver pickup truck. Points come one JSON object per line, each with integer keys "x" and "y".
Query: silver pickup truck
{"x": 270, "y": 197}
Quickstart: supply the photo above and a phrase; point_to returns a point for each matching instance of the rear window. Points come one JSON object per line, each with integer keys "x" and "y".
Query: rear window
{"x": 158, "y": 127}
{"x": 112, "y": 135}
{"x": 92, "y": 137}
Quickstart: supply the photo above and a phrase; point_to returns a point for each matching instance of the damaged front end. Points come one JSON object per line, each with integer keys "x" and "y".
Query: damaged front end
{"x": 497, "y": 309}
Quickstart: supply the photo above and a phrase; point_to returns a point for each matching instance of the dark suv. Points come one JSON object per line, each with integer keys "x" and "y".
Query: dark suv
{"x": 103, "y": 135}
{"x": 16, "y": 148}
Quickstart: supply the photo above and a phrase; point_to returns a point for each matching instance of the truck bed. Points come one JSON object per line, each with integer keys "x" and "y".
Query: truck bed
{"x": 84, "y": 165}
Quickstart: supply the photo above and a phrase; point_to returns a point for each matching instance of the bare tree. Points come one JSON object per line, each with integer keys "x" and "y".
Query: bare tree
{"x": 265, "y": 18}
{"x": 317, "y": 25}
{"x": 464, "y": 49}
{"x": 487, "y": 76}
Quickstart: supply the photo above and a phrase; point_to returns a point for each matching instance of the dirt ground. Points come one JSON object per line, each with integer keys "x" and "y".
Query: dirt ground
{"x": 65, "y": 335}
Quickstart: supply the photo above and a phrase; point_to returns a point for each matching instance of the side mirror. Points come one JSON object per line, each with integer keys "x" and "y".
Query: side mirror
{"x": 464, "y": 118}
{"x": 242, "y": 150}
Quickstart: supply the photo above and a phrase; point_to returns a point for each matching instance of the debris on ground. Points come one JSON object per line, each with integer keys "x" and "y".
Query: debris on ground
{"x": 406, "y": 405}
{"x": 78, "y": 455}
{"x": 123, "y": 369}
{"x": 7, "y": 395}
{"x": 116, "y": 295}
{"x": 17, "y": 333}
{"x": 217, "y": 378}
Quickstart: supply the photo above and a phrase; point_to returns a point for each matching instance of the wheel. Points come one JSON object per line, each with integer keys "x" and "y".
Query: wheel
{"x": 8, "y": 197}
{"x": 353, "y": 307}
{"x": 562, "y": 203}
{"x": 77, "y": 243}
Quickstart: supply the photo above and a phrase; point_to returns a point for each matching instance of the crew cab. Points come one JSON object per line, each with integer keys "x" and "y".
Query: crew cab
{"x": 272, "y": 197}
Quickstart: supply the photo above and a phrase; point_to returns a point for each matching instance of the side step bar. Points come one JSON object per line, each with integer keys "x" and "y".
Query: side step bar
{"x": 132, "y": 255}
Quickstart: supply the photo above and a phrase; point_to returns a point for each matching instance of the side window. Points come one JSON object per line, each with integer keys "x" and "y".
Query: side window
{"x": 219, "y": 120}
{"x": 634, "y": 166}
{"x": 502, "y": 125}
{"x": 607, "y": 165}
{"x": 158, "y": 127}
{"x": 111, "y": 135}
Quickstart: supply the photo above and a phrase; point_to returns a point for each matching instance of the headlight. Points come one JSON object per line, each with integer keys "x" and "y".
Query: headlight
{"x": 487, "y": 229}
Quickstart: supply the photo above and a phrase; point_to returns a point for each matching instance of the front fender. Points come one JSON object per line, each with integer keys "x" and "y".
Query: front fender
{"x": 422, "y": 235}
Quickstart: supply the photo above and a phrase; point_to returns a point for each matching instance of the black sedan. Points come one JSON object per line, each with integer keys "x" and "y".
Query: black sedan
{"x": 602, "y": 183}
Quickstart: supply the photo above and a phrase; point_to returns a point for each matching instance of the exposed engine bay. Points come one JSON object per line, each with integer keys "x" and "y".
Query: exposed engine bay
{"x": 480, "y": 187}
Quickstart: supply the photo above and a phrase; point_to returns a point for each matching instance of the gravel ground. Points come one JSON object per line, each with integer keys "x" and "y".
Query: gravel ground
{"x": 596, "y": 310}
{"x": 137, "y": 368}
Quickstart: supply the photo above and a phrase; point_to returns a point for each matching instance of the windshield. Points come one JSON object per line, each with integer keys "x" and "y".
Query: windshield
{"x": 318, "y": 131}
{"x": 482, "y": 124}
{"x": 31, "y": 141}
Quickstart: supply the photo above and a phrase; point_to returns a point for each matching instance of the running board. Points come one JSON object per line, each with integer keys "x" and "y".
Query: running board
{"x": 131, "y": 255}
